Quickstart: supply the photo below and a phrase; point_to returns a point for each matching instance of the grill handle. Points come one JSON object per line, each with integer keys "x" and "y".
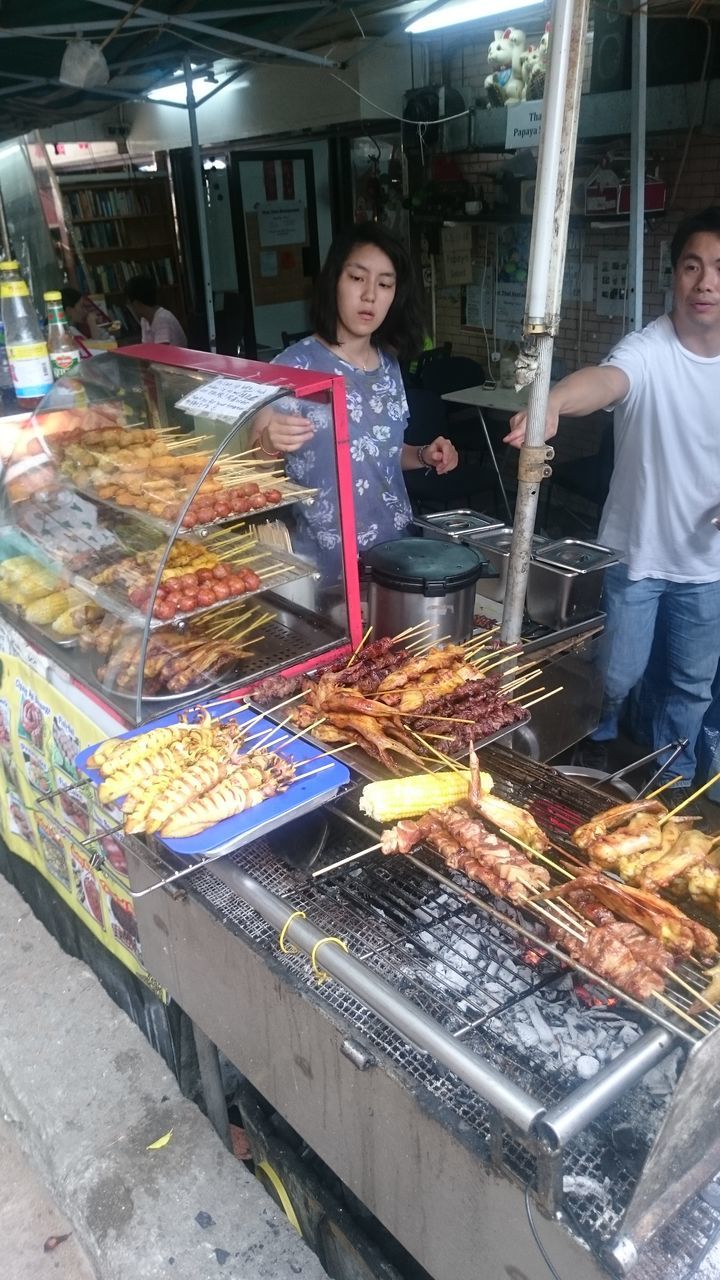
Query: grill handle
{"x": 558, "y": 1126}
{"x": 510, "y": 1101}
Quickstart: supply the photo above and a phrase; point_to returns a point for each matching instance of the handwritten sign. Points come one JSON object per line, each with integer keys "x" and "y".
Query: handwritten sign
{"x": 226, "y": 399}
{"x": 523, "y": 125}
{"x": 281, "y": 223}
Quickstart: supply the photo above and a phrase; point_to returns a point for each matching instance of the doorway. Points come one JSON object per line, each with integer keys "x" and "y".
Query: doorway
{"x": 273, "y": 197}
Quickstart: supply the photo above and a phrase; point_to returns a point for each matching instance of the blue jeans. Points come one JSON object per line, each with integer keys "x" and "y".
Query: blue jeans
{"x": 683, "y": 695}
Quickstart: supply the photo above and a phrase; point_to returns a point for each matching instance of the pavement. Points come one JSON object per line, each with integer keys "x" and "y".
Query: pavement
{"x": 83, "y": 1095}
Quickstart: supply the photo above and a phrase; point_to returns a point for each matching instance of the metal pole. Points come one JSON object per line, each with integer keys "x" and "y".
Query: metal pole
{"x": 638, "y": 123}
{"x": 201, "y": 204}
{"x": 406, "y": 1018}
{"x": 551, "y": 214}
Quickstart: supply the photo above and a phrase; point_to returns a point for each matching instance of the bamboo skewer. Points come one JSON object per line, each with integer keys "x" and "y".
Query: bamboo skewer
{"x": 659, "y": 790}
{"x": 680, "y": 1013}
{"x": 533, "y": 702}
{"x": 694, "y": 796}
{"x": 342, "y": 862}
{"x": 361, "y": 645}
{"x": 452, "y": 764}
{"x": 409, "y": 631}
{"x": 535, "y": 853}
{"x": 697, "y": 995}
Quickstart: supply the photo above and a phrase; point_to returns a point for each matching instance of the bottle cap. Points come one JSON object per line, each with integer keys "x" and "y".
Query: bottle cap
{"x": 9, "y": 264}
{"x": 53, "y": 295}
{"x": 14, "y": 289}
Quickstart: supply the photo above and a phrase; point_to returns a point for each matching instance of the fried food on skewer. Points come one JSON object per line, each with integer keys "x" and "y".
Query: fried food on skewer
{"x": 511, "y": 818}
{"x": 690, "y": 850}
{"x": 662, "y": 920}
{"x": 599, "y": 826}
{"x": 466, "y": 845}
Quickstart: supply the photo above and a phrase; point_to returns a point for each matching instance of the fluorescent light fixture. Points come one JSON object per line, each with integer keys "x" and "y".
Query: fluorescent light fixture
{"x": 457, "y": 11}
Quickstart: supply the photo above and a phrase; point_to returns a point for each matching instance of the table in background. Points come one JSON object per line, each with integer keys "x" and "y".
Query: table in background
{"x": 501, "y": 400}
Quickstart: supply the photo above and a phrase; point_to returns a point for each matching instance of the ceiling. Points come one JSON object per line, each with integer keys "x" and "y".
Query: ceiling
{"x": 145, "y": 42}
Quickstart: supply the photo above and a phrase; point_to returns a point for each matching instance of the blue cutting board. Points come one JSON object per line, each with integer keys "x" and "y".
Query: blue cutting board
{"x": 300, "y": 797}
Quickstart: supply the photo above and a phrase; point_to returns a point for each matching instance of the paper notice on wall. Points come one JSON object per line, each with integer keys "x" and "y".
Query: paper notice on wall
{"x": 509, "y": 310}
{"x": 457, "y": 255}
{"x": 226, "y": 399}
{"x": 282, "y": 222}
{"x": 478, "y": 307}
{"x": 268, "y": 263}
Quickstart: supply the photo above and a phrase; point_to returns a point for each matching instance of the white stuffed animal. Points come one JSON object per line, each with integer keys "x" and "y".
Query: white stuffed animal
{"x": 534, "y": 67}
{"x": 504, "y": 85}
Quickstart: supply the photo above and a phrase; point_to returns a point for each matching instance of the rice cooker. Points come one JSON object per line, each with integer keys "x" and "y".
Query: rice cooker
{"x": 416, "y": 580}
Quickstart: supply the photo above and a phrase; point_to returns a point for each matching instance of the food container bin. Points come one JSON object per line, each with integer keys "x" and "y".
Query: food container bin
{"x": 494, "y": 545}
{"x": 566, "y": 580}
{"x": 416, "y": 580}
{"x": 462, "y": 525}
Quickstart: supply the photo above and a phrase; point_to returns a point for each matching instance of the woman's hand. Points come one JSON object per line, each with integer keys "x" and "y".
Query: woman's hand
{"x": 440, "y": 454}
{"x": 282, "y": 432}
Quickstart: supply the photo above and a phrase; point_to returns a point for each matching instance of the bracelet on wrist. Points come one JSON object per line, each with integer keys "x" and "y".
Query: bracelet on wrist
{"x": 269, "y": 453}
{"x": 422, "y": 459}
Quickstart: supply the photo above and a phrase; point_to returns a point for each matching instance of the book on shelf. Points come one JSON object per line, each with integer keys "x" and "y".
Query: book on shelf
{"x": 111, "y": 277}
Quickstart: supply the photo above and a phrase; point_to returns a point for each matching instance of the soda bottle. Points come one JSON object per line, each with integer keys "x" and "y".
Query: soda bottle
{"x": 64, "y": 354}
{"x": 7, "y": 272}
{"x": 26, "y": 350}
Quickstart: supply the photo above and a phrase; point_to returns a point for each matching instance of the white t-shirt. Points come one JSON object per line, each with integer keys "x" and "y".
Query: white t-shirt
{"x": 665, "y": 486}
{"x": 164, "y": 328}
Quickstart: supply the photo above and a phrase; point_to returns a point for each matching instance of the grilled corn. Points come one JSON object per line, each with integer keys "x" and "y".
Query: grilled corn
{"x": 45, "y": 611}
{"x": 409, "y": 797}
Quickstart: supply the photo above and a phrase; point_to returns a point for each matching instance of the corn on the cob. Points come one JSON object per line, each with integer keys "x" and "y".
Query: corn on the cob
{"x": 409, "y": 797}
{"x": 15, "y": 566}
{"x": 42, "y": 612}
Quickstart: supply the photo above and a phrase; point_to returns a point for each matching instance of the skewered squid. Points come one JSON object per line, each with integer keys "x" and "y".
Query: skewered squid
{"x": 127, "y": 751}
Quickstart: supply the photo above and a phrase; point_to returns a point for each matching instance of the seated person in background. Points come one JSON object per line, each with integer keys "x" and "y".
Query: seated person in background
{"x": 83, "y": 317}
{"x": 157, "y": 324}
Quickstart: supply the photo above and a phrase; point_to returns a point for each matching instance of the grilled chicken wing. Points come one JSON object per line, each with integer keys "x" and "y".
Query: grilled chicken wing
{"x": 602, "y": 823}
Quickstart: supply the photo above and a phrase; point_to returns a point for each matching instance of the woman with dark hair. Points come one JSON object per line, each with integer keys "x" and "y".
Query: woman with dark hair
{"x": 367, "y": 315}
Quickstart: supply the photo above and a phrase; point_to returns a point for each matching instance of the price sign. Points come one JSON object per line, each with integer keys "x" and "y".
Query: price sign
{"x": 226, "y": 399}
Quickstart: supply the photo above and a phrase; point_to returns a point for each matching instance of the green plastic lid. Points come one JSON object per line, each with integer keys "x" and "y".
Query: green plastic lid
{"x": 8, "y": 264}
{"x": 53, "y": 295}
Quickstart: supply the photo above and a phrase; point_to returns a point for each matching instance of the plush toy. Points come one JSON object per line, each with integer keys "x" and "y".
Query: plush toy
{"x": 504, "y": 85}
{"x": 534, "y": 67}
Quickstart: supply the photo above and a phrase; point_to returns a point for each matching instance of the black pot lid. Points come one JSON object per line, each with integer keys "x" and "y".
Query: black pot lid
{"x": 423, "y": 565}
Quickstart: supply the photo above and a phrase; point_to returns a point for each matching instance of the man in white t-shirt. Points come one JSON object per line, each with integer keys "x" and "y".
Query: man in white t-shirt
{"x": 664, "y": 386}
{"x": 157, "y": 324}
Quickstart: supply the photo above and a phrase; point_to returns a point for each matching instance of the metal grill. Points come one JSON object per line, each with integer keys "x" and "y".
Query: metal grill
{"x": 518, "y": 1008}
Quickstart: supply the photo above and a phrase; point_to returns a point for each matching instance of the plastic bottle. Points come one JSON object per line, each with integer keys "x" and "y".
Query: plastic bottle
{"x": 62, "y": 349}
{"x": 27, "y": 351}
{"x": 7, "y": 272}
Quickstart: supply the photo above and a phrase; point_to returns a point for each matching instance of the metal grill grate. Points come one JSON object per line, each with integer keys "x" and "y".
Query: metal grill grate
{"x": 518, "y": 1009}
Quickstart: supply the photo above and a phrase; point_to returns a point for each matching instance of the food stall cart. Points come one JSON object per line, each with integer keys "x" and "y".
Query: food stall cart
{"x": 449, "y": 1056}
{"x": 106, "y": 485}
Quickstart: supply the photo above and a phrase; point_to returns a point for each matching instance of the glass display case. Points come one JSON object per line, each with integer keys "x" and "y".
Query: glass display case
{"x": 152, "y": 550}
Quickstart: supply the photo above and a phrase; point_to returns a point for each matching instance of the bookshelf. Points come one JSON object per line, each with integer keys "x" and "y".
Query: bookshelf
{"x": 121, "y": 227}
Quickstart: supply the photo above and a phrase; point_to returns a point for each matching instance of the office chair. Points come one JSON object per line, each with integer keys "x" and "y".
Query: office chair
{"x": 429, "y": 492}
{"x": 587, "y": 478}
{"x": 288, "y": 339}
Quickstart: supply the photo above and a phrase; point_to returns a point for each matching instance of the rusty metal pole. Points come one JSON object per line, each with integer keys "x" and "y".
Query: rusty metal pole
{"x": 556, "y": 163}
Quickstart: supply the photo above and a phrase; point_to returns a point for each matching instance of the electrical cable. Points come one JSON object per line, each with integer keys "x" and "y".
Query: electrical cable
{"x": 403, "y": 119}
{"x": 539, "y": 1242}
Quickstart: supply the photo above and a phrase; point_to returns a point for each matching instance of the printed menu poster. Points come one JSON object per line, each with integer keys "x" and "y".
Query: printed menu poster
{"x": 49, "y": 814}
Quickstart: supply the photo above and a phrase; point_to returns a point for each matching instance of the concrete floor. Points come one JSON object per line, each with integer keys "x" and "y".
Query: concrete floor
{"x": 28, "y": 1218}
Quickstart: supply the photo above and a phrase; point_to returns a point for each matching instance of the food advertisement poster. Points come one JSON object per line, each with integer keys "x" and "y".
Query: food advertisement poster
{"x": 45, "y": 818}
